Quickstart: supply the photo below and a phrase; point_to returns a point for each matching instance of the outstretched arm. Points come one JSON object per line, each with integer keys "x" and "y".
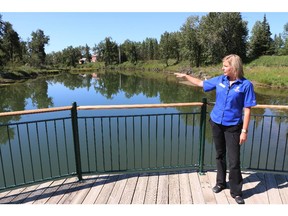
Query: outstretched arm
{"x": 191, "y": 79}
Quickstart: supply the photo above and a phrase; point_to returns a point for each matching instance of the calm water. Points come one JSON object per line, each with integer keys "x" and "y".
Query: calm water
{"x": 116, "y": 88}
{"x": 111, "y": 88}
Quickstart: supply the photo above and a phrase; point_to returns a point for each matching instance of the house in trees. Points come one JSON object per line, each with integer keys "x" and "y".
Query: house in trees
{"x": 94, "y": 58}
{"x": 82, "y": 61}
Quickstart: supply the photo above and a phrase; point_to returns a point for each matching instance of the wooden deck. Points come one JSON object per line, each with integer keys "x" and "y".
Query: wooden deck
{"x": 184, "y": 187}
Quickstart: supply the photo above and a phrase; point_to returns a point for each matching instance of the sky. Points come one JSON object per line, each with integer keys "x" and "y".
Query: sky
{"x": 75, "y": 25}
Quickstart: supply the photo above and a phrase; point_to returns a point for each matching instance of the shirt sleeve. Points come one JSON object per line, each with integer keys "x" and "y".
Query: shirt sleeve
{"x": 210, "y": 84}
{"x": 250, "y": 97}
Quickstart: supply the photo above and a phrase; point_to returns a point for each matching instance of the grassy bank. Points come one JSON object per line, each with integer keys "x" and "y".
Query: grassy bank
{"x": 271, "y": 71}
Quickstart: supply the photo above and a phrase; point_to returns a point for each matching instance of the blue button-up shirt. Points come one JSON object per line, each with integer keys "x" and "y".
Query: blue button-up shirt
{"x": 230, "y": 100}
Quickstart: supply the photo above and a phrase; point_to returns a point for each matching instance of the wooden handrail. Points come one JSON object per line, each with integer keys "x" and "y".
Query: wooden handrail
{"x": 263, "y": 106}
{"x": 132, "y": 106}
{"x": 135, "y": 106}
{"x": 44, "y": 110}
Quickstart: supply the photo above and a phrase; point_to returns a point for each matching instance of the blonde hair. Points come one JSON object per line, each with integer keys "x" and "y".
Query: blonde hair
{"x": 236, "y": 63}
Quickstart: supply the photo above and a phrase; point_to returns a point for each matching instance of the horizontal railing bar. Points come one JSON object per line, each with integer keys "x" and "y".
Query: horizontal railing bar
{"x": 44, "y": 110}
{"x": 136, "y": 106}
{"x": 133, "y": 106}
{"x": 263, "y": 106}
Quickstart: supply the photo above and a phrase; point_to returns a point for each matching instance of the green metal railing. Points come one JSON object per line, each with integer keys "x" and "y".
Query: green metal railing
{"x": 40, "y": 150}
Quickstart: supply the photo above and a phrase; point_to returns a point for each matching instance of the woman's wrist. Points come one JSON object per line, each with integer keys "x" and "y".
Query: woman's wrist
{"x": 244, "y": 131}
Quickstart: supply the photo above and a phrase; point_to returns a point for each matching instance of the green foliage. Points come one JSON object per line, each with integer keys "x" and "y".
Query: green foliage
{"x": 261, "y": 41}
{"x": 37, "y": 48}
{"x": 200, "y": 42}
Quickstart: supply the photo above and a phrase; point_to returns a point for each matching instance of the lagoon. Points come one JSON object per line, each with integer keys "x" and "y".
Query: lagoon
{"x": 111, "y": 88}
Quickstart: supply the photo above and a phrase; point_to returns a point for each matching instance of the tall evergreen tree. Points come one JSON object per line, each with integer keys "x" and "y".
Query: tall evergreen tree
{"x": 165, "y": 47}
{"x": 277, "y": 44}
{"x": 285, "y": 39}
{"x": 11, "y": 44}
{"x": 260, "y": 42}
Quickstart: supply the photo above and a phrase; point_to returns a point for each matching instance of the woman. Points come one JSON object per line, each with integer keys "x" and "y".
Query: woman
{"x": 234, "y": 93}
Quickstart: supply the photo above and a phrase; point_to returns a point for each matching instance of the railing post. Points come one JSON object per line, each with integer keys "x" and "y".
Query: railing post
{"x": 74, "y": 119}
{"x": 202, "y": 135}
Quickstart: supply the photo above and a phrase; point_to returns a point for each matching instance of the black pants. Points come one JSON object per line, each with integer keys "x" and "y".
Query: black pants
{"x": 226, "y": 139}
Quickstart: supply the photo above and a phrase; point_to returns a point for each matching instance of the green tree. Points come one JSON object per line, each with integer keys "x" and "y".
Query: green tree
{"x": 11, "y": 44}
{"x": 70, "y": 56}
{"x": 222, "y": 34}
{"x": 37, "y": 48}
{"x": 191, "y": 48}
{"x": 129, "y": 51}
{"x": 2, "y": 51}
{"x": 165, "y": 47}
{"x": 285, "y": 39}
{"x": 260, "y": 42}
{"x": 175, "y": 46}
{"x": 169, "y": 47}
{"x": 107, "y": 51}
{"x": 278, "y": 44}
{"x": 150, "y": 49}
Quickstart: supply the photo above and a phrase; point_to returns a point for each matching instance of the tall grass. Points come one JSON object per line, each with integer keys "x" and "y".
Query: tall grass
{"x": 270, "y": 61}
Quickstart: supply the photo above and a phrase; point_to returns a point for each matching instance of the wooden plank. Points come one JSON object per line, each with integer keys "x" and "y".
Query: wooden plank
{"x": 61, "y": 191}
{"x": 272, "y": 189}
{"x": 84, "y": 188}
{"x": 253, "y": 188}
{"x": 246, "y": 189}
{"x": 49, "y": 192}
{"x": 207, "y": 189}
{"x": 185, "y": 190}
{"x": 11, "y": 195}
{"x": 37, "y": 193}
{"x": 174, "y": 188}
{"x": 197, "y": 195}
{"x": 162, "y": 193}
{"x": 221, "y": 198}
{"x": 282, "y": 187}
{"x": 140, "y": 190}
{"x": 152, "y": 188}
{"x": 106, "y": 190}
{"x": 129, "y": 189}
{"x": 259, "y": 195}
{"x": 117, "y": 191}
{"x": 95, "y": 190}
{"x": 23, "y": 195}
{"x": 71, "y": 192}
{"x": 3, "y": 194}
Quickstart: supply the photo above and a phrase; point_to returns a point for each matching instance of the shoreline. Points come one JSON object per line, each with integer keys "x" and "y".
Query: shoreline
{"x": 9, "y": 78}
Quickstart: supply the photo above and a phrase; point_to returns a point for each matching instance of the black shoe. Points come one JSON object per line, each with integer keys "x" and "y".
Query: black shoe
{"x": 218, "y": 188}
{"x": 239, "y": 200}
